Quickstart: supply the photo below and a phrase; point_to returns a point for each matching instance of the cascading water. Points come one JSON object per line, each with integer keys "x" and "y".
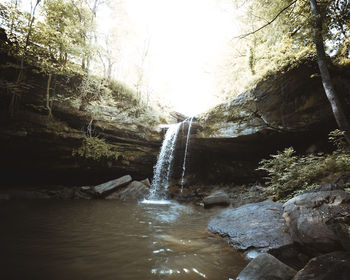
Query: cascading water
{"x": 162, "y": 169}
{"x": 185, "y": 156}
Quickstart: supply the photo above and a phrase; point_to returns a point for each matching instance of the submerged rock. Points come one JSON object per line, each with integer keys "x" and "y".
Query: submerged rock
{"x": 257, "y": 225}
{"x": 110, "y": 186}
{"x": 331, "y": 266}
{"x": 266, "y": 267}
{"x": 319, "y": 220}
{"x": 217, "y": 198}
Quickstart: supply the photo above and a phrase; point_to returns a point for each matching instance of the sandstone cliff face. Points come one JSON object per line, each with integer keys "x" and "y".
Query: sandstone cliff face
{"x": 286, "y": 109}
{"x": 39, "y": 150}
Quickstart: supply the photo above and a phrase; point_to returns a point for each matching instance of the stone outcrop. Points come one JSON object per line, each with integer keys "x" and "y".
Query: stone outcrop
{"x": 266, "y": 267}
{"x": 39, "y": 149}
{"x": 257, "y": 225}
{"x": 335, "y": 265}
{"x": 319, "y": 220}
{"x": 288, "y": 108}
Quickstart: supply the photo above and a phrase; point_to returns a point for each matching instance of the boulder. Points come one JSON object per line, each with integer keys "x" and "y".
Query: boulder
{"x": 256, "y": 225}
{"x": 111, "y": 186}
{"x": 320, "y": 220}
{"x": 146, "y": 182}
{"x": 331, "y": 266}
{"x": 218, "y": 198}
{"x": 133, "y": 191}
{"x": 266, "y": 267}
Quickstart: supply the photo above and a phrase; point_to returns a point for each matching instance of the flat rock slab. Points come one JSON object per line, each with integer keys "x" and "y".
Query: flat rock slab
{"x": 266, "y": 267}
{"x": 218, "y": 198}
{"x": 255, "y": 225}
{"x": 110, "y": 186}
{"x": 332, "y": 266}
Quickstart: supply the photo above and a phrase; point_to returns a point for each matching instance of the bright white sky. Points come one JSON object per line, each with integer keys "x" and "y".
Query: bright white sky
{"x": 187, "y": 38}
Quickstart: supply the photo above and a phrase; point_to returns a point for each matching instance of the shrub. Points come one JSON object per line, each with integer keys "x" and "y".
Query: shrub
{"x": 95, "y": 149}
{"x": 290, "y": 174}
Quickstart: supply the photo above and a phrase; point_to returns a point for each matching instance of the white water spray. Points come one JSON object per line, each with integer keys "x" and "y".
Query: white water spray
{"x": 162, "y": 169}
{"x": 185, "y": 156}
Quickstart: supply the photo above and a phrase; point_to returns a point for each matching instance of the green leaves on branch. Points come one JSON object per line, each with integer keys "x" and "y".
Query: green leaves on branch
{"x": 95, "y": 149}
{"x": 60, "y": 36}
{"x": 290, "y": 174}
{"x": 285, "y": 39}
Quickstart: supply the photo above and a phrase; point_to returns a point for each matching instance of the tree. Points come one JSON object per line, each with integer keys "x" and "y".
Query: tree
{"x": 107, "y": 57}
{"x": 31, "y": 19}
{"x": 336, "y": 105}
{"x": 27, "y": 31}
{"x": 299, "y": 24}
{"x": 65, "y": 28}
{"x": 140, "y": 69}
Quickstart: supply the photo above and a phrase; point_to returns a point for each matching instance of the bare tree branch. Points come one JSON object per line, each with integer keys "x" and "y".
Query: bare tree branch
{"x": 268, "y": 23}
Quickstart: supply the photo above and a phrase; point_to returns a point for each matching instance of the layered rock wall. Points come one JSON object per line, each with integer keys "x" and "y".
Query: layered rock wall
{"x": 38, "y": 149}
{"x": 286, "y": 109}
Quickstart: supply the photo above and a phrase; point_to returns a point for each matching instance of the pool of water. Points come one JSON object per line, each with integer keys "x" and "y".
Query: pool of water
{"x": 49, "y": 239}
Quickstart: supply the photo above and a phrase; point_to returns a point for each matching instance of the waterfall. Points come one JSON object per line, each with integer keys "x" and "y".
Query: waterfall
{"x": 162, "y": 169}
{"x": 185, "y": 156}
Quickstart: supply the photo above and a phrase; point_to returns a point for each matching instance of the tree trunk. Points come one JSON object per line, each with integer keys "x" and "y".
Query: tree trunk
{"x": 48, "y": 94}
{"x": 12, "y": 26}
{"x": 109, "y": 69}
{"x": 337, "y": 109}
{"x": 30, "y": 27}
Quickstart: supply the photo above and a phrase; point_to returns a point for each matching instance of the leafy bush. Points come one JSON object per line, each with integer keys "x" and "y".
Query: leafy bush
{"x": 95, "y": 149}
{"x": 290, "y": 174}
{"x": 123, "y": 92}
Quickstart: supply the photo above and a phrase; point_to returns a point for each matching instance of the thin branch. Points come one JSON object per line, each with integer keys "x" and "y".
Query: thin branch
{"x": 261, "y": 18}
{"x": 268, "y": 23}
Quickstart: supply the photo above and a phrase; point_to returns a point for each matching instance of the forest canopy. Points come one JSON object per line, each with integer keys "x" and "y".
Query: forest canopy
{"x": 56, "y": 35}
{"x": 63, "y": 36}
{"x": 277, "y": 34}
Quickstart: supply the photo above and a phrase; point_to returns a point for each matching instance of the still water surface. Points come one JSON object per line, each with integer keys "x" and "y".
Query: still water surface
{"x": 48, "y": 239}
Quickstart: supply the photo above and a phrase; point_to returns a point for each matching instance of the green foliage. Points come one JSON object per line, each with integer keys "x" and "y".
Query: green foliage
{"x": 90, "y": 88}
{"x": 123, "y": 92}
{"x": 61, "y": 33}
{"x": 61, "y": 47}
{"x": 290, "y": 174}
{"x": 95, "y": 149}
{"x": 282, "y": 42}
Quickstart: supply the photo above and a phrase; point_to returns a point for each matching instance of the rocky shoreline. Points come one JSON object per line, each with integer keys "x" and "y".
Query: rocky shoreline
{"x": 309, "y": 234}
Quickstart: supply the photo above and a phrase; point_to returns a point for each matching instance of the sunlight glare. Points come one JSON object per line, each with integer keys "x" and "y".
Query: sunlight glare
{"x": 186, "y": 40}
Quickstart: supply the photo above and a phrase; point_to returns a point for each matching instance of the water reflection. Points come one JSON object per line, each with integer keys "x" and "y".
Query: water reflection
{"x": 111, "y": 240}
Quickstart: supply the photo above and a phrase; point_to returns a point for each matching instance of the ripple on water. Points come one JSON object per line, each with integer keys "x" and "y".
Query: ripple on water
{"x": 107, "y": 240}
{"x": 156, "y": 202}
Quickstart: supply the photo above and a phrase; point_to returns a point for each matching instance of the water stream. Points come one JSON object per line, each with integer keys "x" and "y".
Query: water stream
{"x": 162, "y": 169}
{"x": 109, "y": 240}
{"x": 185, "y": 155}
